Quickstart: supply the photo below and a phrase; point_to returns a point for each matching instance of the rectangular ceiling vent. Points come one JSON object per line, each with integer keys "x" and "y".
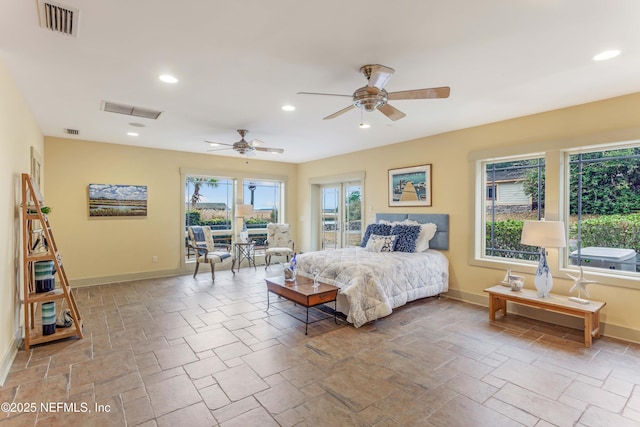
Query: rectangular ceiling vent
{"x": 58, "y": 18}
{"x": 72, "y": 131}
{"x": 129, "y": 110}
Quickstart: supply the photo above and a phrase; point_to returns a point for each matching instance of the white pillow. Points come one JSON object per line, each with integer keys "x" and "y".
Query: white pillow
{"x": 427, "y": 231}
{"x": 377, "y": 243}
{"x": 403, "y": 222}
{"x": 409, "y": 222}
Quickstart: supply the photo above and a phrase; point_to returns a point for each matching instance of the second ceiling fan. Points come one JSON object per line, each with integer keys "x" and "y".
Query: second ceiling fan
{"x": 373, "y": 96}
{"x": 243, "y": 146}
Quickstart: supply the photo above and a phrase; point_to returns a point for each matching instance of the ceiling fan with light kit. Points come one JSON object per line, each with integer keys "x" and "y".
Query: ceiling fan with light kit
{"x": 243, "y": 146}
{"x": 373, "y": 96}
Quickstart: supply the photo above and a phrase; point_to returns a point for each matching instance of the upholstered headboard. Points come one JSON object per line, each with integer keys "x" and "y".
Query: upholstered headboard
{"x": 440, "y": 240}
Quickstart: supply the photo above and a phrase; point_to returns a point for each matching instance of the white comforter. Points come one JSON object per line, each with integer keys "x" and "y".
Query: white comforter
{"x": 376, "y": 283}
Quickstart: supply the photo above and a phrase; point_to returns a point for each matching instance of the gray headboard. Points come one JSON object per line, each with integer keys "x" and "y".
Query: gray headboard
{"x": 440, "y": 240}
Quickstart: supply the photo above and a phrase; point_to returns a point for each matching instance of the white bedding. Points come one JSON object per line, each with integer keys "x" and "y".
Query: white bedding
{"x": 376, "y": 283}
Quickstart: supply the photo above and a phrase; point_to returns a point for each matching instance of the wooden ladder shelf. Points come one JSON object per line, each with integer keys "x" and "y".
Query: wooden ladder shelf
{"x": 39, "y": 245}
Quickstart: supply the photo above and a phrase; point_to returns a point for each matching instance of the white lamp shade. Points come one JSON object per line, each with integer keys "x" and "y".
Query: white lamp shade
{"x": 544, "y": 234}
{"x": 243, "y": 211}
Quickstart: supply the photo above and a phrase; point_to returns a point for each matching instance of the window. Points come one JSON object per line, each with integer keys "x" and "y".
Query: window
{"x": 490, "y": 191}
{"x": 211, "y": 199}
{"x": 266, "y": 198}
{"x": 604, "y": 209}
{"x": 341, "y": 215}
{"x": 514, "y": 193}
{"x": 209, "y": 202}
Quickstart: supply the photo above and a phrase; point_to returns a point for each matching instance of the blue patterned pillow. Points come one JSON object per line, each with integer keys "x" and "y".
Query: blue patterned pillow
{"x": 407, "y": 235}
{"x": 379, "y": 229}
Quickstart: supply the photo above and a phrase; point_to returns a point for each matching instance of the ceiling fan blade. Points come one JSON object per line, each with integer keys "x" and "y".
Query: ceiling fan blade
{"x": 344, "y": 110}
{"x": 379, "y": 75}
{"x": 429, "y": 93}
{"x": 392, "y": 112}
{"x": 215, "y": 144}
{"x": 325, "y": 94}
{"x": 269, "y": 149}
{"x": 220, "y": 149}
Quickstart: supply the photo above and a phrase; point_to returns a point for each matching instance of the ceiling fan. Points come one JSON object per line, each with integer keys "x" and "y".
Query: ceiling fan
{"x": 373, "y": 96}
{"x": 244, "y": 147}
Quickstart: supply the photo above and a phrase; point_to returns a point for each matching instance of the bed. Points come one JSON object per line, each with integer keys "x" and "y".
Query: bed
{"x": 371, "y": 283}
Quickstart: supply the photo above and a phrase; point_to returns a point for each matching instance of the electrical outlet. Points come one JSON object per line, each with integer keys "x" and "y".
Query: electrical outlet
{"x": 154, "y": 258}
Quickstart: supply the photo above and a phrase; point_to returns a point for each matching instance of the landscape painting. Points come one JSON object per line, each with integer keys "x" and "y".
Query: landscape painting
{"x": 410, "y": 186}
{"x": 117, "y": 200}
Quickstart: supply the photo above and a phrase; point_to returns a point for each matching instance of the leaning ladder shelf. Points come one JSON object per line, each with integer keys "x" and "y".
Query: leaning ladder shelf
{"x": 35, "y": 225}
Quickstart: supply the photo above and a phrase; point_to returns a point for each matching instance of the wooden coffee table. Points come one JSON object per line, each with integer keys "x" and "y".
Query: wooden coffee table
{"x": 302, "y": 292}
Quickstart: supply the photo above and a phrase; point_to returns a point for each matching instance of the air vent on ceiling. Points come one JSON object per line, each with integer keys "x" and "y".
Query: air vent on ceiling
{"x": 72, "y": 131}
{"x": 129, "y": 110}
{"x": 58, "y": 18}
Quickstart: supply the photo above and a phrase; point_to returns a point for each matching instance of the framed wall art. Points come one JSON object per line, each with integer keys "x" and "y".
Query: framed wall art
{"x": 117, "y": 200}
{"x": 410, "y": 186}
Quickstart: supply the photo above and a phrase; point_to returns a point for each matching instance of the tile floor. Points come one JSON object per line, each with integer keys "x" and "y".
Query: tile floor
{"x": 181, "y": 351}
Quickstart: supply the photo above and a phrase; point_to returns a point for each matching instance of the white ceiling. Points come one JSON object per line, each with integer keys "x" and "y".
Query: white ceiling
{"x": 239, "y": 61}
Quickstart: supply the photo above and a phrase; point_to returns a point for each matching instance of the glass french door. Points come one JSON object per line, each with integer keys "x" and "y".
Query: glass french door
{"x": 341, "y": 215}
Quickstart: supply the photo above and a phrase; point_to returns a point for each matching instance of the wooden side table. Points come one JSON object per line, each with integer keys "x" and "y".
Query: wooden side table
{"x": 302, "y": 292}
{"x": 499, "y": 295}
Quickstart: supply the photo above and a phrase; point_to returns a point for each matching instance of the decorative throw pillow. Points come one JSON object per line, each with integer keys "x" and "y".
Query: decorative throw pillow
{"x": 379, "y": 229}
{"x": 378, "y": 243}
{"x": 406, "y": 236}
{"x": 427, "y": 231}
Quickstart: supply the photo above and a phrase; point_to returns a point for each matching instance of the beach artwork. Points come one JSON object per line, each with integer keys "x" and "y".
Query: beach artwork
{"x": 410, "y": 186}
{"x": 117, "y": 200}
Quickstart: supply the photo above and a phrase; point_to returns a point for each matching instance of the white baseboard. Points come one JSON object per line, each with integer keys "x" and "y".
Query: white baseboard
{"x": 607, "y": 329}
{"x": 7, "y": 360}
{"x": 105, "y": 280}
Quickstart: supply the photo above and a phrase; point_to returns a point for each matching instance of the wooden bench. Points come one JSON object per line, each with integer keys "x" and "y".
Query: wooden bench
{"x": 499, "y": 295}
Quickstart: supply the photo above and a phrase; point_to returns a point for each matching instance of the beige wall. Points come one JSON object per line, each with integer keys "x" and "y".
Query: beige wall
{"x": 453, "y": 176}
{"x": 101, "y": 250}
{"x": 18, "y": 133}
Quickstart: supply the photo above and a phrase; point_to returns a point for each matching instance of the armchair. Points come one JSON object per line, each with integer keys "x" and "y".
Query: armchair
{"x": 278, "y": 242}
{"x": 201, "y": 241}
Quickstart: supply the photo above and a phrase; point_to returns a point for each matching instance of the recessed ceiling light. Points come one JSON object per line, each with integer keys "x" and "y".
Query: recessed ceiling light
{"x": 168, "y": 79}
{"x": 288, "y": 108}
{"x": 133, "y": 133}
{"x": 365, "y": 125}
{"x": 214, "y": 144}
{"x": 607, "y": 54}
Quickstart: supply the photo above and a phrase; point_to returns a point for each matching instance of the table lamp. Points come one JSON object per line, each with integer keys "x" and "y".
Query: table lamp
{"x": 544, "y": 234}
{"x": 243, "y": 211}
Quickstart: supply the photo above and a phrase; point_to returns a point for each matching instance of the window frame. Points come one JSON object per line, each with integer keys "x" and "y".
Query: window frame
{"x": 482, "y": 166}
{"x": 262, "y": 231}
{"x": 230, "y": 206}
{"x": 566, "y": 209}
